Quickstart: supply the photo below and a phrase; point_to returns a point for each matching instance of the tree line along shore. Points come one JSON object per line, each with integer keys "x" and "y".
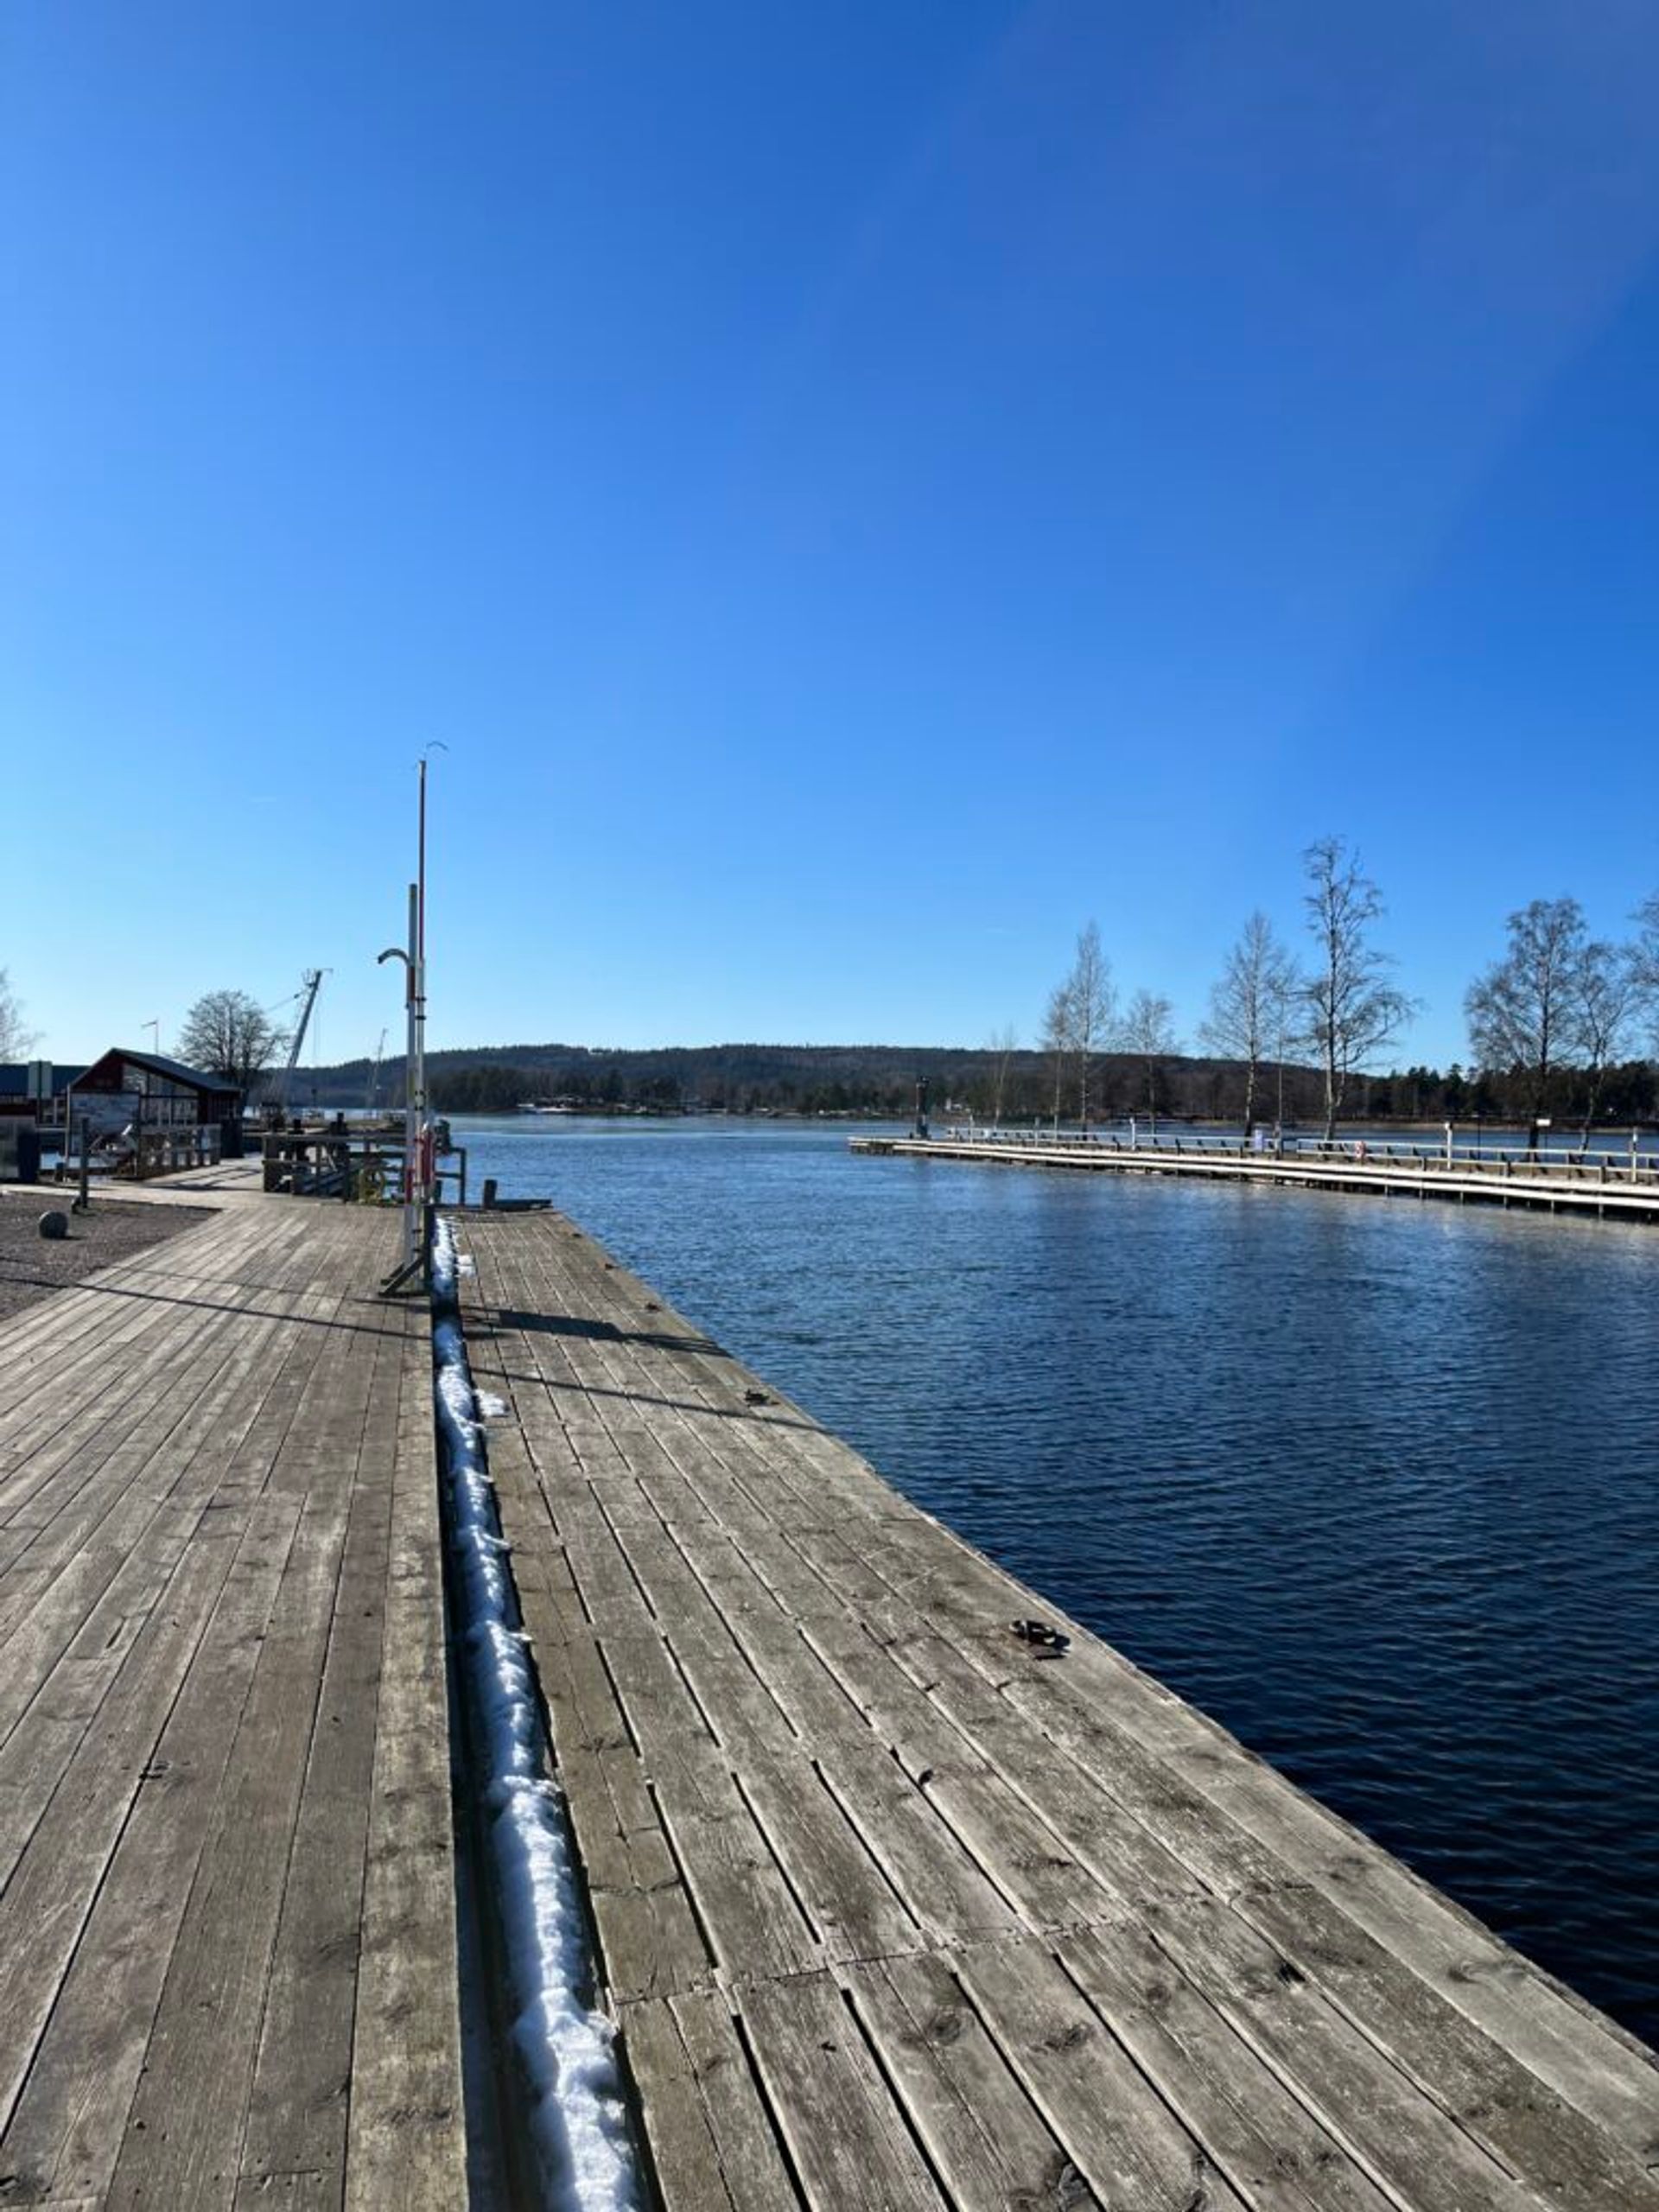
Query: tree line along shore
{"x": 1562, "y": 1027}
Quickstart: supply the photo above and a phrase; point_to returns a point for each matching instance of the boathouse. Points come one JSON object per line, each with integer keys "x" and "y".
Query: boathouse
{"x": 154, "y": 1092}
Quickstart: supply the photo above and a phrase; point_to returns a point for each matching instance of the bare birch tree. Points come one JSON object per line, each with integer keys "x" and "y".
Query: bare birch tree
{"x": 1248, "y": 1004}
{"x": 1644, "y": 955}
{"x": 1521, "y": 1010}
{"x": 1056, "y": 1040}
{"x": 1350, "y": 1009}
{"x": 1003, "y": 1045}
{"x": 1148, "y": 1032}
{"x": 1609, "y": 998}
{"x": 1093, "y": 1009}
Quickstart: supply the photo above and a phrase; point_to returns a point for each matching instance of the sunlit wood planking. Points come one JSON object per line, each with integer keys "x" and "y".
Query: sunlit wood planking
{"x": 895, "y": 1911}
{"x": 227, "y": 1973}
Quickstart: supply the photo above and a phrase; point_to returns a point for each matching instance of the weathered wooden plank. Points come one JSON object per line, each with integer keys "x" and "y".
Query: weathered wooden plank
{"x": 708, "y": 2132}
{"x": 184, "y": 2145}
{"x": 105, "y": 1570}
{"x": 986, "y": 2139}
{"x": 1140, "y": 1827}
{"x": 847, "y": 2141}
{"x": 51, "y": 1891}
{"x": 296, "y": 2121}
{"x": 1579, "y": 2053}
{"x": 1250, "y": 2121}
{"x": 1120, "y": 2134}
{"x": 649, "y": 1937}
{"x": 1485, "y": 2089}
{"x": 1407, "y": 2140}
{"x": 405, "y": 2140}
{"x": 71, "y": 2118}
{"x": 748, "y": 1914}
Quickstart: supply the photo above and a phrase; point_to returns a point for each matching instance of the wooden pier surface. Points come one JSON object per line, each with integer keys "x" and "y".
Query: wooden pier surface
{"x": 894, "y": 1908}
{"x": 227, "y": 1920}
{"x": 896, "y": 1911}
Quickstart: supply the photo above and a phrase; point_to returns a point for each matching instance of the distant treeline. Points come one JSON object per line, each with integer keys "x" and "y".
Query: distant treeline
{"x": 879, "y": 1081}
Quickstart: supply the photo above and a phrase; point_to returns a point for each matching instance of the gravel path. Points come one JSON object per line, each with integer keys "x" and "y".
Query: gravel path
{"x": 31, "y": 1266}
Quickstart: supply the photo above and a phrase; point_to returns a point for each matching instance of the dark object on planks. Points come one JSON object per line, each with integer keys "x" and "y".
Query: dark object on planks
{"x": 54, "y": 1224}
{"x": 1050, "y": 1641}
{"x": 756, "y": 1398}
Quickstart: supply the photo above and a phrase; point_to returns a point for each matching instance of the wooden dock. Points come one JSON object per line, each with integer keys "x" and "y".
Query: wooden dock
{"x": 1616, "y": 1186}
{"x": 898, "y": 1910}
{"x": 894, "y": 1908}
{"x": 227, "y": 1911}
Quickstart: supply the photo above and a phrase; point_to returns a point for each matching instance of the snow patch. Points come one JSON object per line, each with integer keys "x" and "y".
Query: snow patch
{"x": 578, "y": 2118}
{"x": 491, "y": 1406}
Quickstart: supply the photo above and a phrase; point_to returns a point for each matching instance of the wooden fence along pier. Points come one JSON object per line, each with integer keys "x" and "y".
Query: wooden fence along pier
{"x": 1615, "y": 1182}
{"x": 893, "y": 1905}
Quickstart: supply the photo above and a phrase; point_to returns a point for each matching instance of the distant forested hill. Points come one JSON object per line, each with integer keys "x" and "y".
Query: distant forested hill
{"x": 880, "y": 1080}
{"x": 852, "y": 1079}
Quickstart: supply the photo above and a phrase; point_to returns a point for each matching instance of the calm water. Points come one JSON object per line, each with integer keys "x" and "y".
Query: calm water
{"x": 1374, "y": 1484}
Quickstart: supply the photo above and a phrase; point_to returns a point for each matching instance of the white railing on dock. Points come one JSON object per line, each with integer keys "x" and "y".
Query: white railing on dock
{"x": 1626, "y": 1164}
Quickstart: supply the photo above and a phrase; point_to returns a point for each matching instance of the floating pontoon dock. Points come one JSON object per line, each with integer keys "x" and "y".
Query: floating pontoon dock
{"x": 1622, "y": 1184}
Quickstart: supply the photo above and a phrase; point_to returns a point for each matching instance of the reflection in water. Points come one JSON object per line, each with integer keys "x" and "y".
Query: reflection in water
{"x": 1374, "y": 1483}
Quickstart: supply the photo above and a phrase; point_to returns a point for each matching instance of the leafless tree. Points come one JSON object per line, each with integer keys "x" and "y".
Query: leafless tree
{"x": 1093, "y": 1003}
{"x": 1249, "y": 1005}
{"x": 1350, "y": 1008}
{"x": 1148, "y": 1032}
{"x": 1058, "y": 1032}
{"x": 1644, "y": 955}
{"x": 1521, "y": 1010}
{"x": 226, "y": 1034}
{"x": 15, "y": 1039}
{"x": 1003, "y": 1045}
{"x": 1609, "y": 999}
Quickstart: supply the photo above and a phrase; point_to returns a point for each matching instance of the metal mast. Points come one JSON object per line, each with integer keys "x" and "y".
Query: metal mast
{"x": 420, "y": 1160}
{"x": 309, "y": 984}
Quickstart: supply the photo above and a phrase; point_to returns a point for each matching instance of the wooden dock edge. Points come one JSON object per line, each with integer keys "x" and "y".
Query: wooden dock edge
{"x": 888, "y": 1916}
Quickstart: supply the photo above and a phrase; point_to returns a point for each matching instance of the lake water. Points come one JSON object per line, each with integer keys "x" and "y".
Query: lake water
{"x": 1377, "y": 1485}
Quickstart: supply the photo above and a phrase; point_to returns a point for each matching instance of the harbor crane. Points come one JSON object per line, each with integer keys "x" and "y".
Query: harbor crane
{"x": 277, "y": 1100}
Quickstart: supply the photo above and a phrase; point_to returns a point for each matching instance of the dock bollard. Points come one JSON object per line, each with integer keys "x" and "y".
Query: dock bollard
{"x": 489, "y": 1192}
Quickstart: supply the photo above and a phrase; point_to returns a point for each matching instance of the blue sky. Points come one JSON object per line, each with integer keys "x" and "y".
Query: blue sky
{"x": 858, "y": 491}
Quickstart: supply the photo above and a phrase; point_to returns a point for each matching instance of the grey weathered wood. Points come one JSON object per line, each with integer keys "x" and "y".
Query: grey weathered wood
{"x": 71, "y": 2120}
{"x": 709, "y": 2137}
{"x": 298, "y": 2106}
{"x": 1405, "y": 2137}
{"x": 848, "y": 2139}
{"x": 404, "y": 2146}
{"x": 228, "y": 1907}
{"x": 1490, "y": 2094}
{"x": 985, "y": 2137}
{"x": 1253, "y": 2125}
{"x": 1121, "y": 2134}
{"x": 798, "y": 1737}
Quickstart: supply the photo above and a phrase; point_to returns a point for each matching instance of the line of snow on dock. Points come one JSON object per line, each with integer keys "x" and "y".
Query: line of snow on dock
{"x": 580, "y": 2126}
